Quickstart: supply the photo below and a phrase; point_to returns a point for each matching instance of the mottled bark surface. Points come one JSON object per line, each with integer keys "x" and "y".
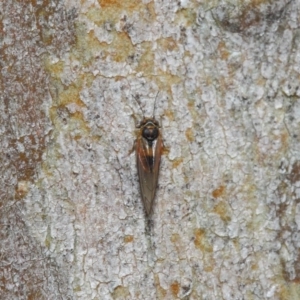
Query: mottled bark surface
{"x": 227, "y": 211}
{"x": 30, "y": 32}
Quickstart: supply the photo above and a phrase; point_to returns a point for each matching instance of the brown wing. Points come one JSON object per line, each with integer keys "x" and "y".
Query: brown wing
{"x": 148, "y": 161}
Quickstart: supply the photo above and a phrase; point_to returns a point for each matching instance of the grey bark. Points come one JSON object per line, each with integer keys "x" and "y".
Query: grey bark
{"x": 227, "y": 215}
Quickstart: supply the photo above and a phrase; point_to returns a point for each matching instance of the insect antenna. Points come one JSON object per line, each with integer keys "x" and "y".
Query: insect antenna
{"x": 154, "y": 105}
{"x": 139, "y": 104}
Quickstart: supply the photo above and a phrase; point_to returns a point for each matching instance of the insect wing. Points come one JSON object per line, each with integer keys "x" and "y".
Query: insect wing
{"x": 148, "y": 161}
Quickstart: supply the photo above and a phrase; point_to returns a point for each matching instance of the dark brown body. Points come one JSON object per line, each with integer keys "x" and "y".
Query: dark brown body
{"x": 148, "y": 149}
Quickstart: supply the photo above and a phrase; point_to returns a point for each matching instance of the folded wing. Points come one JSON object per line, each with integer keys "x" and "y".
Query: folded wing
{"x": 148, "y": 161}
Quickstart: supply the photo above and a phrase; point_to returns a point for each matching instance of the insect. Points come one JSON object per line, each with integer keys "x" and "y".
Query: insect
{"x": 148, "y": 148}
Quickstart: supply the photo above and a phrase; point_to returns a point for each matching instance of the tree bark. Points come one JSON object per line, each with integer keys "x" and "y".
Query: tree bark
{"x": 75, "y": 78}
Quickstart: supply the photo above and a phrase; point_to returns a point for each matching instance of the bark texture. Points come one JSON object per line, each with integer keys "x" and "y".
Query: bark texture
{"x": 75, "y": 75}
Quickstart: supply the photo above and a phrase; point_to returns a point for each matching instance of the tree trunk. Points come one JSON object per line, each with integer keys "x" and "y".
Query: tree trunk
{"x": 223, "y": 81}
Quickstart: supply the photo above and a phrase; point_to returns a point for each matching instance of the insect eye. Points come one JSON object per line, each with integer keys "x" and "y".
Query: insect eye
{"x": 150, "y": 133}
